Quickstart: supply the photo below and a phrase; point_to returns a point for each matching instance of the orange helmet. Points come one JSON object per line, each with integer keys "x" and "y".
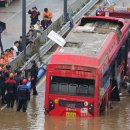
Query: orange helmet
{"x": 11, "y": 75}
{"x": 24, "y": 81}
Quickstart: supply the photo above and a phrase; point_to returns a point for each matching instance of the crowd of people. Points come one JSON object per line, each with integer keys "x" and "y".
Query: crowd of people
{"x": 9, "y": 54}
{"x": 36, "y": 29}
{"x": 46, "y": 18}
{"x": 14, "y": 89}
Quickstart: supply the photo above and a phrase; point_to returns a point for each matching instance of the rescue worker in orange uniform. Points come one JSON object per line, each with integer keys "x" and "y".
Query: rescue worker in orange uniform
{"x": 6, "y": 56}
{"x": 46, "y": 20}
{"x": 11, "y": 88}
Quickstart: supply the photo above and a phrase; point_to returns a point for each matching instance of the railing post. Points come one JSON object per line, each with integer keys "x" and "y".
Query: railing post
{"x": 24, "y": 27}
{"x": 66, "y": 16}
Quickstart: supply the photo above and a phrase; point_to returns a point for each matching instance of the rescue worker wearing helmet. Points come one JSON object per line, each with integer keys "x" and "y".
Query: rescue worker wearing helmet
{"x": 11, "y": 88}
{"x": 23, "y": 96}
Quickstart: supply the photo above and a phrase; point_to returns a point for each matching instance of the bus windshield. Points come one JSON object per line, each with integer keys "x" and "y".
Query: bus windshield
{"x": 72, "y": 86}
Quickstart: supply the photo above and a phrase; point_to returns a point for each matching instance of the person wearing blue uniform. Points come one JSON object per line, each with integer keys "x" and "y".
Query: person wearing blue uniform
{"x": 23, "y": 96}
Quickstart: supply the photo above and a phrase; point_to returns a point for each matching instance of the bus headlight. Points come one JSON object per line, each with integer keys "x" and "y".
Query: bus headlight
{"x": 86, "y": 103}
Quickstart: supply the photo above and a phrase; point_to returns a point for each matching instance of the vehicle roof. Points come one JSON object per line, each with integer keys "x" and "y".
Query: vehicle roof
{"x": 84, "y": 43}
{"x": 87, "y": 40}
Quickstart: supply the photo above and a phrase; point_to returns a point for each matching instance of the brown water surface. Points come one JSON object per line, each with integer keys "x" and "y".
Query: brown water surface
{"x": 117, "y": 118}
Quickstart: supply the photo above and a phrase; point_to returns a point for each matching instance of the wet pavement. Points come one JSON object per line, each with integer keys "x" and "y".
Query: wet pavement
{"x": 117, "y": 118}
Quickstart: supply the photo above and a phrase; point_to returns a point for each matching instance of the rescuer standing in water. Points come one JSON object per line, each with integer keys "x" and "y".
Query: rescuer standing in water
{"x": 11, "y": 88}
{"x": 23, "y": 96}
{"x": 115, "y": 91}
{"x": 33, "y": 74}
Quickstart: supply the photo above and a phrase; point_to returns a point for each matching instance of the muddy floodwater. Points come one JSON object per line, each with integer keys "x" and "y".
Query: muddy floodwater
{"x": 118, "y": 118}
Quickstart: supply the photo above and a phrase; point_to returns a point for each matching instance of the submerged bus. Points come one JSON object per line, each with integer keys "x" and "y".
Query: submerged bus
{"x": 78, "y": 77}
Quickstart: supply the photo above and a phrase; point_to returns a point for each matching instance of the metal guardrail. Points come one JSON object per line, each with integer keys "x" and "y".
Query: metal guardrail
{"x": 84, "y": 10}
{"x": 46, "y": 47}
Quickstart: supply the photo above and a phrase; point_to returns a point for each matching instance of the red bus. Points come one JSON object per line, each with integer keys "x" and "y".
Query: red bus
{"x": 78, "y": 77}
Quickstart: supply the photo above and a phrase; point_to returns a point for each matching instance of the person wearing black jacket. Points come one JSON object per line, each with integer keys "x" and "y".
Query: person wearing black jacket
{"x": 11, "y": 88}
{"x": 18, "y": 78}
{"x": 34, "y": 15}
{"x": 33, "y": 74}
{"x": 115, "y": 91}
{"x": 2, "y": 86}
{"x": 1, "y": 45}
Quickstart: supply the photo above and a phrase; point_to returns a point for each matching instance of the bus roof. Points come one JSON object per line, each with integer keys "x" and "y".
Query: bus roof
{"x": 87, "y": 41}
{"x": 84, "y": 43}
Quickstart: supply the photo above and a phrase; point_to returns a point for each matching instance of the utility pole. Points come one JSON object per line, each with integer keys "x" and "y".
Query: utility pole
{"x": 24, "y": 27}
{"x": 66, "y": 16}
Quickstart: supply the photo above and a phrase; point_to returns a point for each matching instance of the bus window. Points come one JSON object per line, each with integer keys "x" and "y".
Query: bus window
{"x": 82, "y": 90}
{"x": 91, "y": 90}
{"x": 54, "y": 87}
{"x": 85, "y": 90}
{"x": 63, "y": 88}
{"x": 72, "y": 86}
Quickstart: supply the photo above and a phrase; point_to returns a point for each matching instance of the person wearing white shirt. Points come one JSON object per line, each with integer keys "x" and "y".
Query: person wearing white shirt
{"x": 38, "y": 28}
{"x": 16, "y": 52}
